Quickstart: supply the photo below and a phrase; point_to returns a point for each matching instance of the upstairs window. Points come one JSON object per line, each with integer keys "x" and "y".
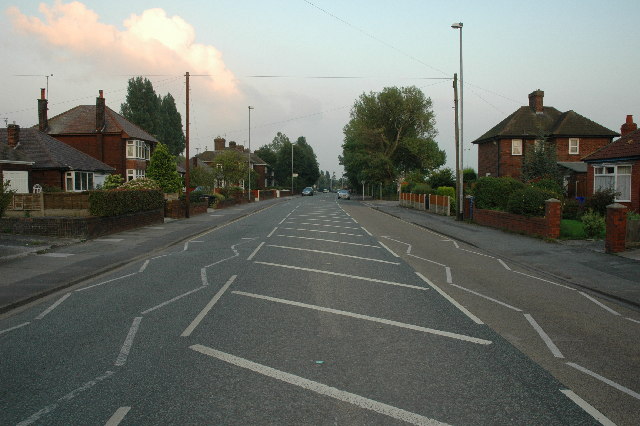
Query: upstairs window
{"x": 516, "y": 147}
{"x": 617, "y": 178}
{"x": 574, "y": 146}
{"x": 138, "y": 149}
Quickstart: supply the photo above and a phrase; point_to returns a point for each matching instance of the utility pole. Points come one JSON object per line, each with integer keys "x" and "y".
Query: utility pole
{"x": 186, "y": 145}
{"x": 457, "y": 135}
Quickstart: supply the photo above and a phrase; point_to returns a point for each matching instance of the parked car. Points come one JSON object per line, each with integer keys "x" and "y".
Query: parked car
{"x": 325, "y": 190}
{"x": 307, "y": 191}
{"x": 344, "y": 194}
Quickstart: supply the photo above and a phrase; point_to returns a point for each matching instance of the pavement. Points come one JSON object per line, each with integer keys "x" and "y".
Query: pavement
{"x": 32, "y": 267}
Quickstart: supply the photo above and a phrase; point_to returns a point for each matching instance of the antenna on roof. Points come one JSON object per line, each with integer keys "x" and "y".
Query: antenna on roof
{"x": 197, "y": 151}
{"x": 38, "y": 75}
{"x": 6, "y": 121}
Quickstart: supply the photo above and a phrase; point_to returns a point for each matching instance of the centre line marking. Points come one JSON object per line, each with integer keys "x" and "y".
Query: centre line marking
{"x": 105, "y": 282}
{"x": 602, "y": 305}
{"x": 271, "y": 233}
{"x": 334, "y": 254}
{"x": 128, "y": 342}
{"x": 144, "y": 266}
{"x": 547, "y": 340}
{"x": 504, "y": 264}
{"x": 487, "y": 297}
{"x": 605, "y": 380}
{"x": 365, "y": 230}
{"x": 593, "y": 412}
{"x": 451, "y": 299}
{"x": 6, "y": 330}
{"x": 118, "y": 416}
{"x": 448, "y": 272}
{"x": 329, "y": 241}
{"x": 52, "y": 307}
{"x": 172, "y": 300}
{"x": 255, "y": 251}
{"x": 187, "y": 332}
{"x": 319, "y": 388}
{"x": 388, "y": 249}
{"x": 368, "y": 318}
{"x": 355, "y": 277}
{"x": 324, "y": 232}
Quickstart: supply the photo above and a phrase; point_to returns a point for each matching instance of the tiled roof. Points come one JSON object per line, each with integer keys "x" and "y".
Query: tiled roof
{"x": 49, "y": 153}
{"x": 82, "y": 120}
{"x": 209, "y": 156}
{"x": 627, "y": 146}
{"x": 10, "y": 155}
{"x": 526, "y": 123}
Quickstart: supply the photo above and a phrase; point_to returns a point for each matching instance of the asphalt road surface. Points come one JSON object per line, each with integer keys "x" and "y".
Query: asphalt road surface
{"x": 316, "y": 311}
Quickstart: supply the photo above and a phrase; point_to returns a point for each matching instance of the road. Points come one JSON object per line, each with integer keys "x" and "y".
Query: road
{"x": 319, "y": 312}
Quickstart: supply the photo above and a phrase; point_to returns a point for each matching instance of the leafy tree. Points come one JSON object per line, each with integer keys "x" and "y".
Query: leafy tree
{"x": 169, "y": 130}
{"x": 278, "y": 155}
{"x": 142, "y": 106}
{"x": 442, "y": 177}
{"x": 202, "y": 176}
{"x": 162, "y": 169}
{"x": 308, "y": 169}
{"x": 233, "y": 167}
{"x": 540, "y": 162}
{"x": 390, "y": 133}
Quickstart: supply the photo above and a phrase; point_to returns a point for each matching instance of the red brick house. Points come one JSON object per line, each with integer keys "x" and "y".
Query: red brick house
{"x": 617, "y": 166}
{"x": 101, "y": 133}
{"x": 502, "y": 150}
{"x": 45, "y": 161}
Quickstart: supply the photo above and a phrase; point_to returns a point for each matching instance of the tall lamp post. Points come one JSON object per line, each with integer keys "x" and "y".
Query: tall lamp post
{"x": 458, "y": 26}
{"x": 291, "y": 168}
{"x": 250, "y": 108}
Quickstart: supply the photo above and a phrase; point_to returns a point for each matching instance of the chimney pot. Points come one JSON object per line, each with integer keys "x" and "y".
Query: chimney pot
{"x": 219, "y": 144}
{"x": 629, "y": 126}
{"x": 101, "y": 93}
{"x": 42, "y": 93}
{"x": 535, "y": 100}
{"x": 13, "y": 135}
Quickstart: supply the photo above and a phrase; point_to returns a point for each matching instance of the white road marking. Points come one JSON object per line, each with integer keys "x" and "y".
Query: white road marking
{"x": 365, "y": 230}
{"x": 331, "y": 221}
{"x": 324, "y": 232}
{"x": 6, "y": 330}
{"x": 109, "y": 240}
{"x": 451, "y": 299}
{"x": 203, "y": 277}
{"x": 186, "y": 245}
{"x": 545, "y": 337}
{"x": 542, "y": 279}
{"x": 319, "y": 388}
{"x": 597, "y": 302}
{"x": 128, "y": 342}
{"x": 504, "y": 264}
{"x": 118, "y": 416}
{"x": 144, "y": 266}
{"x": 108, "y": 281}
{"x": 329, "y": 241}
{"x": 334, "y": 254}
{"x": 52, "y": 307}
{"x": 255, "y": 251}
{"x": 328, "y": 226}
{"x": 271, "y": 233}
{"x": 369, "y": 318}
{"x": 388, "y": 249}
{"x": 427, "y": 260}
{"x": 187, "y": 332}
{"x": 634, "y": 320}
{"x": 605, "y": 380}
{"x": 402, "y": 242}
{"x": 56, "y": 254}
{"x": 587, "y": 407}
{"x": 158, "y": 257}
{"x": 355, "y": 277}
{"x": 487, "y": 297}
{"x": 68, "y": 397}
{"x": 172, "y": 300}
{"x": 447, "y": 271}
{"x": 478, "y": 253}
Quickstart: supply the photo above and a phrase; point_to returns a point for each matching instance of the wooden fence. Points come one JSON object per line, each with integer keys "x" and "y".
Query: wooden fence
{"x": 439, "y": 204}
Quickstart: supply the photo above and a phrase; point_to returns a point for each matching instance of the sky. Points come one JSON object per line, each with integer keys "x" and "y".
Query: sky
{"x": 301, "y": 64}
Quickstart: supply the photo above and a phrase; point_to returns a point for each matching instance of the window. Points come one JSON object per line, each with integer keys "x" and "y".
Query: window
{"x": 574, "y": 146}
{"x": 138, "y": 149}
{"x": 617, "y": 178}
{"x": 79, "y": 181}
{"x": 516, "y": 147}
{"x": 134, "y": 174}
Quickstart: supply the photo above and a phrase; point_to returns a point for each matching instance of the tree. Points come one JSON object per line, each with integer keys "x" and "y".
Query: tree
{"x": 170, "y": 126}
{"x": 6, "y": 195}
{"x": 390, "y": 133}
{"x": 540, "y": 162}
{"x": 202, "y": 176}
{"x": 233, "y": 167}
{"x": 142, "y": 106}
{"x": 278, "y": 155}
{"x": 307, "y": 163}
{"x": 162, "y": 169}
{"x": 442, "y": 177}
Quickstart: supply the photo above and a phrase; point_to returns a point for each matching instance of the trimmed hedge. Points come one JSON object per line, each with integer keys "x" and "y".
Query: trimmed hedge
{"x": 529, "y": 201}
{"x": 493, "y": 193}
{"x": 118, "y": 202}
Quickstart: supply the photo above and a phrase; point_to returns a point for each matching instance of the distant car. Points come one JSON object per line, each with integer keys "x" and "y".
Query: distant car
{"x": 325, "y": 190}
{"x": 344, "y": 194}
{"x": 307, "y": 191}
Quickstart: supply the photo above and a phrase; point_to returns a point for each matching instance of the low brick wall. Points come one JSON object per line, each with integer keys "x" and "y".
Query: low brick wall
{"x": 546, "y": 227}
{"x": 79, "y": 227}
{"x": 176, "y": 209}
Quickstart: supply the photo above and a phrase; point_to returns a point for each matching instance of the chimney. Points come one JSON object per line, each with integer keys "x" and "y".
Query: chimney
{"x": 232, "y": 145}
{"x": 43, "y": 121}
{"x": 219, "y": 144}
{"x": 240, "y": 148}
{"x": 535, "y": 101}
{"x": 629, "y": 126}
{"x": 100, "y": 113}
{"x": 13, "y": 135}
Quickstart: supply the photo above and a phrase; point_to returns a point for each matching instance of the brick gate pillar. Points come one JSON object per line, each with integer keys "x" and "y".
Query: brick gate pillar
{"x": 616, "y": 228}
{"x": 553, "y": 215}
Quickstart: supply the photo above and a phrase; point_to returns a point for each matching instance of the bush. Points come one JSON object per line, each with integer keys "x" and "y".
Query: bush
{"x": 442, "y": 177}
{"x": 451, "y": 193}
{"x": 141, "y": 183}
{"x": 422, "y": 188}
{"x": 112, "y": 182}
{"x": 48, "y": 188}
{"x": 599, "y": 201}
{"x": 528, "y": 201}
{"x": 469, "y": 175}
{"x": 594, "y": 224}
{"x": 493, "y": 193}
{"x": 217, "y": 198}
{"x": 118, "y": 202}
{"x": 231, "y": 191}
{"x": 551, "y": 186}
{"x": 6, "y": 195}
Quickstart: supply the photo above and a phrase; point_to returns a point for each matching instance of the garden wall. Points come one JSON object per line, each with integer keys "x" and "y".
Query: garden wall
{"x": 176, "y": 209}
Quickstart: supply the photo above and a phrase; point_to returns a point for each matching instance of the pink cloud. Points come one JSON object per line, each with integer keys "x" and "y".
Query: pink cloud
{"x": 151, "y": 43}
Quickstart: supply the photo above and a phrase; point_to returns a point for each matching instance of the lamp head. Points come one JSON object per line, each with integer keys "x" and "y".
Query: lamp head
{"x": 456, "y": 25}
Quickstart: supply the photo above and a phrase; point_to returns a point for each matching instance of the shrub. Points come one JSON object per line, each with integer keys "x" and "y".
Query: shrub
{"x": 162, "y": 169}
{"x": 217, "y": 198}
{"x": 6, "y": 195}
{"x": 112, "y": 182}
{"x": 528, "y": 201}
{"x": 442, "y": 177}
{"x": 231, "y": 191}
{"x": 48, "y": 188}
{"x": 422, "y": 188}
{"x": 141, "y": 183}
{"x": 631, "y": 215}
{"x": 469, "y": 175}
{"x": 493, "y": 193}
{"x": 451, "y": 192}
{"x": 599, "y": 201}
{"x": 594, "y": 224}
{"x": 118, "y": 202}
{"x": 571, "y": 209}
{"x": 551, "y": 186}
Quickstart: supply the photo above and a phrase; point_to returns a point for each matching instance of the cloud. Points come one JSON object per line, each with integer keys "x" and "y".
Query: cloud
{"x": 151, "y": 43}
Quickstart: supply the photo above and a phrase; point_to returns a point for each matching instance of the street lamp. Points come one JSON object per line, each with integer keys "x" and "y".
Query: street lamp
{"x": 292, "y": 168}
{"x": 250, "y": 108}
{"x": 458, "y": 26}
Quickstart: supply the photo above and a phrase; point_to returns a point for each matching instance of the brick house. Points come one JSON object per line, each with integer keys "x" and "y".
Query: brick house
{"x": 101, "y": 133}
{"x": 265, "y": 174}
{"x": 47, "y": 162}
{"x": 617, "y": 166}
{"x": 502, "y": 150}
